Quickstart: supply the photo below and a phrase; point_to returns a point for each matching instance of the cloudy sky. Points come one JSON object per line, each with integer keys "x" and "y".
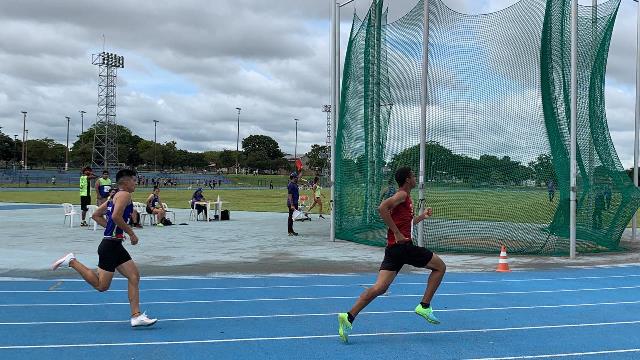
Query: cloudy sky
{"x": 190, "y": 63}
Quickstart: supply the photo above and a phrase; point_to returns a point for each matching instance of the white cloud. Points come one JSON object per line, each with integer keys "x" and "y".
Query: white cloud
{"x": 189, "y": 64}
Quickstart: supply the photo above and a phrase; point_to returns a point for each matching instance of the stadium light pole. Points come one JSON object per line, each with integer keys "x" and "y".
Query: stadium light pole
{"x": 238, "y": 142}
{"x": 82, "y": 112}
{"x": 24, "y": 135}
{"x": 66, "y": 158}
{"x": 15, "y": 151}
{"x": 155, "y": 142}
{"x": 335, "y": 101}
{"x": 24, "y": 146}
{"x": 636, "y": 140}
{"x": 295, "y": 149}
{"x": 574, "y": 121}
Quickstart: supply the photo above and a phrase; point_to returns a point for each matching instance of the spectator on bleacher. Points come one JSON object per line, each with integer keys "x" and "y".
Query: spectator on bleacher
{"x": 53, "y": 180}
{"x": 85, "y": 193}
{"x": 199, "y": 197}
{"x": 154, "y": 207}
{"x": 103, "y": 186}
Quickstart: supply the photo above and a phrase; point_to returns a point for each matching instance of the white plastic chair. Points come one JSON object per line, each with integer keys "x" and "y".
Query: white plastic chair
{"x": 169, "y": 211}
{"x": 70, "y": 212}
{"x": 193, "y": 214}
{"x": 142, "y": 212}
{"x": 91, "y": 209}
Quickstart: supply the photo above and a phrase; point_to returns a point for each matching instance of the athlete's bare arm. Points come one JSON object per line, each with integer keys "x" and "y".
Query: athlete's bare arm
{"x": 385, "y": 213}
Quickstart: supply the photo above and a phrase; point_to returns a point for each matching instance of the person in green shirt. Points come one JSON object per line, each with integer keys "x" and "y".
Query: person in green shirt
{"x": 85, "y": 194}
{"x": 103, "y": 186}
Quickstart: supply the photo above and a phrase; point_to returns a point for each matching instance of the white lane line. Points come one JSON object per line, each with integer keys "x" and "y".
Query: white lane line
{"x": 546, "y": 356}
{"x": 236, "y": 340}
{"x": 329, "y": 297}
{"x": 326, "y": 314}
{"x": 302, "y": 276}
{"x": 325, "y": 285}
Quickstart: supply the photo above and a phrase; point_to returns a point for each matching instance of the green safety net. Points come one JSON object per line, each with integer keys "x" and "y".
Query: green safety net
{"x": 498, "y": 117}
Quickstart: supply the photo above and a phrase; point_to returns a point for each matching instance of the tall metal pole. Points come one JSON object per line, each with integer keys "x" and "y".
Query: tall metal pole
{"x": 574, "y": 122}
{"x": 24, "y": 146}
{"x": 238, "y": 142}
{"x": 334, "y": 118}
{"x": 66, "y": 158}
{"x": 636, "y": 141}
{"x": 24, "y": 136}
{"x": 295, "y": 149}
{"x": 15, "y": 152}
{"x": 423, "y": 113}
{"x": 155, "y": 142}
{"x": 82, "y": 112}
{"x": 335, "y": 102}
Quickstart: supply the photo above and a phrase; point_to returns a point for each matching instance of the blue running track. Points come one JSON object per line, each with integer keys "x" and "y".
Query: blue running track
{"x": 571, "y": 313}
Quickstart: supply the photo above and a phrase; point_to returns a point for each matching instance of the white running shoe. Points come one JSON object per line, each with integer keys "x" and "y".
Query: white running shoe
{"x": 63, "y": 261}
{"x": 142, "y": 320}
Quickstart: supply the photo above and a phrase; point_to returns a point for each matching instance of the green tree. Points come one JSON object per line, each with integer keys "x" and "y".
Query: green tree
{"x": 212, "y": 157}
{"x": 318, "y": 157}
{"x": 227, "y": 159}
{"x": 543, "y": 169}
{"x": 7, "y": 147}
{"x": 261, "y": 143}
{"x": 45, "y": 152}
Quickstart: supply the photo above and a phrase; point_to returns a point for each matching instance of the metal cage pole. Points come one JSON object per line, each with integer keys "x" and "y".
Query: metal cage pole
{"x": 423, "y": 114}
{"x": 574, "y": 120}
{"x": 636, "y": 139}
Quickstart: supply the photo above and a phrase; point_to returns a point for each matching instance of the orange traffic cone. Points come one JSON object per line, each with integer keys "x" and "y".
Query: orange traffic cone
{"x": 503, "y": 263}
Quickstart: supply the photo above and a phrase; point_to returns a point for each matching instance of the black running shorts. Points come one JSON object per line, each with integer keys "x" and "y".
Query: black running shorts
{"x": 111, "y": 254}
{"x": 397, "y": 255}
{"x": 85, "y": 201}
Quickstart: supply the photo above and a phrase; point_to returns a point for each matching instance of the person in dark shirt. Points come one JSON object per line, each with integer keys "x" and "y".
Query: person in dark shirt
{"x": 293, "y": 195}
{"x": 198, "y": 197}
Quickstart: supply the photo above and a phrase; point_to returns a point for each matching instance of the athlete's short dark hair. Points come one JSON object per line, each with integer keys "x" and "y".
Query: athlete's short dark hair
{"x": 402, "y": 174}
{"x": 125, "y": 173}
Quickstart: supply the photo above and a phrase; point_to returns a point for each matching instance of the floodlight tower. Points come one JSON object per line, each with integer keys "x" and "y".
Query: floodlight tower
{"x": 105, "y": 144}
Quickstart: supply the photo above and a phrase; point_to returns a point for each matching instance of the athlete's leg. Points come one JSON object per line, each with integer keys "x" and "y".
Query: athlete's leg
{"x": 130, "y": 271}
{"x": 100, "y": 281}
{"x": 385, "y": 278}
{"x": 438, "y": 268}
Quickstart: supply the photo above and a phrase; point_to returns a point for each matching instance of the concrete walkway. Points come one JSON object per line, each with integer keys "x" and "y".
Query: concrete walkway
{"x": 250, "y": 243}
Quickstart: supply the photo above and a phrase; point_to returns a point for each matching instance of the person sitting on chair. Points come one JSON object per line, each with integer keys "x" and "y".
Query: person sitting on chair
{"x": 154, "y": 207}
{"x": 198, "y": 197}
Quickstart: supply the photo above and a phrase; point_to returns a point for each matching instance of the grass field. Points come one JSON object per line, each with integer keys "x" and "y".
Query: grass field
{"x": 517, "y": 206}
{"x": 239, "y": 200}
